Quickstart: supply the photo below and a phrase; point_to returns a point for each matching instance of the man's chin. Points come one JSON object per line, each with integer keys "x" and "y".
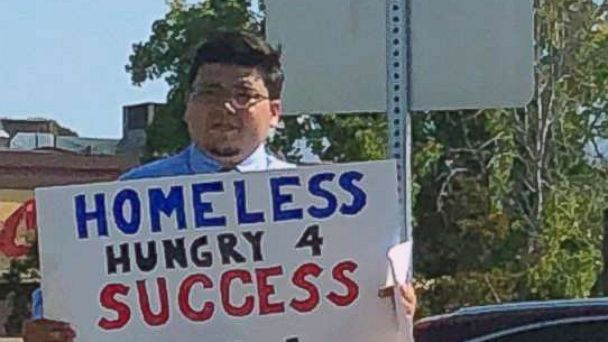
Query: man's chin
{"x": 228, "y": 152}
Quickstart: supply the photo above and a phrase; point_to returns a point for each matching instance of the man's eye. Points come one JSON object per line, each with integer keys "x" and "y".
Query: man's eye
{"x": 245, "y": 96}
{"x": 253, "y": 96}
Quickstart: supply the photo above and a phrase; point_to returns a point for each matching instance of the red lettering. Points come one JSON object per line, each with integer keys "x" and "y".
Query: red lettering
{"x": 22, "y": 218}
{"x": 144, "y": 302}
{"x": 299, "y": 280}
{"x": 113, "y": 297}
{"x": 108, "y": 300}
{"x": 227, "y": 278}
{"x": 265, "y": 290}
{"x": 352, "y": 287}
{"x": 184, "y": 298}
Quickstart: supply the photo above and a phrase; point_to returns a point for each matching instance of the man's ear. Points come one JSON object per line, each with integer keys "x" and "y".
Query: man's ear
{"x": 187, "y": 97}
{"x": 186, "y": 116}
{"x": 276, "y": 109}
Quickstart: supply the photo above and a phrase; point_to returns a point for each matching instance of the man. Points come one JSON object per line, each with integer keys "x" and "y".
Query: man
{"x": 233, "y": 103}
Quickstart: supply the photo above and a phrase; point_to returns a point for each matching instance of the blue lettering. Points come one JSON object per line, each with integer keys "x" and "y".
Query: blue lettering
{"x": 359, "y": 196}
{"x": 99, "y": 214}
{"x": 167, "y": 204}
{"x": 129, "y": 227}
{"x": 201, "y": 208}
{"x": 279, "y": 199}
{"x": 314, "y": 187}
{"x": 245, "y": 217}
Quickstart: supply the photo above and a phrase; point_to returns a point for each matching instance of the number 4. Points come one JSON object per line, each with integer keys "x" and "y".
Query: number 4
{"x": 311, "y": 238}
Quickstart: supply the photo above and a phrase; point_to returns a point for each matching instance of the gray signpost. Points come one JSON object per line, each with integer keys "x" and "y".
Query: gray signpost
{"x": 398, "y": 56}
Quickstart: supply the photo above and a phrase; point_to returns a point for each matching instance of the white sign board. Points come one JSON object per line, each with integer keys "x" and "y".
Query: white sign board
{"x": 296, "y": 255}
{"x": 471, "y": 54}
{"x": 464, "y": 53}
{"x": 334, "y": 54}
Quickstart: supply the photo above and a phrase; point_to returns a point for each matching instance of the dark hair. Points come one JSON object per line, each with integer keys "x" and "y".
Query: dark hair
{"x": 245, "y": 49}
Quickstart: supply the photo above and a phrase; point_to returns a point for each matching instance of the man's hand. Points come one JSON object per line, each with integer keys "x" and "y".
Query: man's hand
{"x": 408, "y": 299}
{"x": 44, "y": 330}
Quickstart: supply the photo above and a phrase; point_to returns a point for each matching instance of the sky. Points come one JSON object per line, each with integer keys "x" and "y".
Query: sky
{"x": 65, "y": 60}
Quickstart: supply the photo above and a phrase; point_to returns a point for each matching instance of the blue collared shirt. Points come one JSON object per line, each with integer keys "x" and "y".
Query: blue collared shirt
{"x": 188, "y": 162}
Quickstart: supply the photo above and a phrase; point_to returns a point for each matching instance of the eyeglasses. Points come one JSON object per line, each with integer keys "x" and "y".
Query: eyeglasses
{"x": 236, "y": 99}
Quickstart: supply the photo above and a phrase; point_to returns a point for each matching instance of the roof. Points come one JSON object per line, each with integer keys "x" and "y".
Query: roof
{"x": 34, "y": 125}
{"x": 50, "y": 167}
{"x": 144, "y": 104}
{"x": 88, "y": 145}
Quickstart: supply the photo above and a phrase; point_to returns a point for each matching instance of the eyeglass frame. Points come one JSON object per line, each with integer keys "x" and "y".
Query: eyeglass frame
{"x": 232, "y": 104}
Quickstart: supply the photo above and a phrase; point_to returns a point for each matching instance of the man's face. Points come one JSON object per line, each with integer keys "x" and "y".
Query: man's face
{"x": 229, "y": 113}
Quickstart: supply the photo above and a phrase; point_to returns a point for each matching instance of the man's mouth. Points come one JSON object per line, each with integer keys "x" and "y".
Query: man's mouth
{"x": 225, "y": 127}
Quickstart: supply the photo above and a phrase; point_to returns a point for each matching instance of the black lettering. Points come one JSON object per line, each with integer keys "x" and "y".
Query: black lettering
{"x": 312, "y": 239}
{"x": 200, "y": 259}
{"x": 255, "y": 240}
{"x": 175, "y": 251}
{"x": 227, "y": 244}
{"x": 146, "y": 263}
{"x": 114, "y": 261}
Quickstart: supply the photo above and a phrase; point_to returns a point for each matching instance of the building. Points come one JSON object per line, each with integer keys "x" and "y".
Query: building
{"x": 135, "y": 120}
{"x": 11, "y": 127}
{"x": 39, "y": 153}
{"x": 34, "y": 134}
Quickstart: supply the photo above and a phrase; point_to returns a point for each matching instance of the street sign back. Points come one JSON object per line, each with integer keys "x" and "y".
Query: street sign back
{"x": 334, "y": 54}
{"x": 464, "y": 53}
{"x": 469, "y": 54}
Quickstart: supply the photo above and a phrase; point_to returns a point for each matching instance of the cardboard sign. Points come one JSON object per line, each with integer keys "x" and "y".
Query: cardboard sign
{"x": 296, "y": 255}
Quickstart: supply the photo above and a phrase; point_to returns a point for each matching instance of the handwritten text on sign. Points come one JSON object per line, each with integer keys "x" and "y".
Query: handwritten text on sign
{"x": 249, "y": 257}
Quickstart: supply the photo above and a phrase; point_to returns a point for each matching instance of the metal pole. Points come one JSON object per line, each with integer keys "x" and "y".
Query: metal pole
{"x": 399, "y": 121}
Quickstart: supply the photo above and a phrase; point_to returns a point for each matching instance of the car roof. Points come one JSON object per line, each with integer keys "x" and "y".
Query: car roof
{"x": 524, "y": 306}
{"x": 475, "y": 322}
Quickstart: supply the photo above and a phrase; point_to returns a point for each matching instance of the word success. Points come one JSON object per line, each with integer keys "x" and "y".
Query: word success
{"x": 198, "y": 298}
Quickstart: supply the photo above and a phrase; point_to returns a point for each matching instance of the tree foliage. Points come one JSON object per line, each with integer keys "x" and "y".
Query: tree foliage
{"x": 519, "y": 194}
{"x": 508, "y": 203}
{"x": 17, "y": 294}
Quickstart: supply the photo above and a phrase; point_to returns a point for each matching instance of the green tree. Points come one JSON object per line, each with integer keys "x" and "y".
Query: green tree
{"x": 508, "y": 203}
{"x": 519, "y": 202}
{"x": 17, "y": 293}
